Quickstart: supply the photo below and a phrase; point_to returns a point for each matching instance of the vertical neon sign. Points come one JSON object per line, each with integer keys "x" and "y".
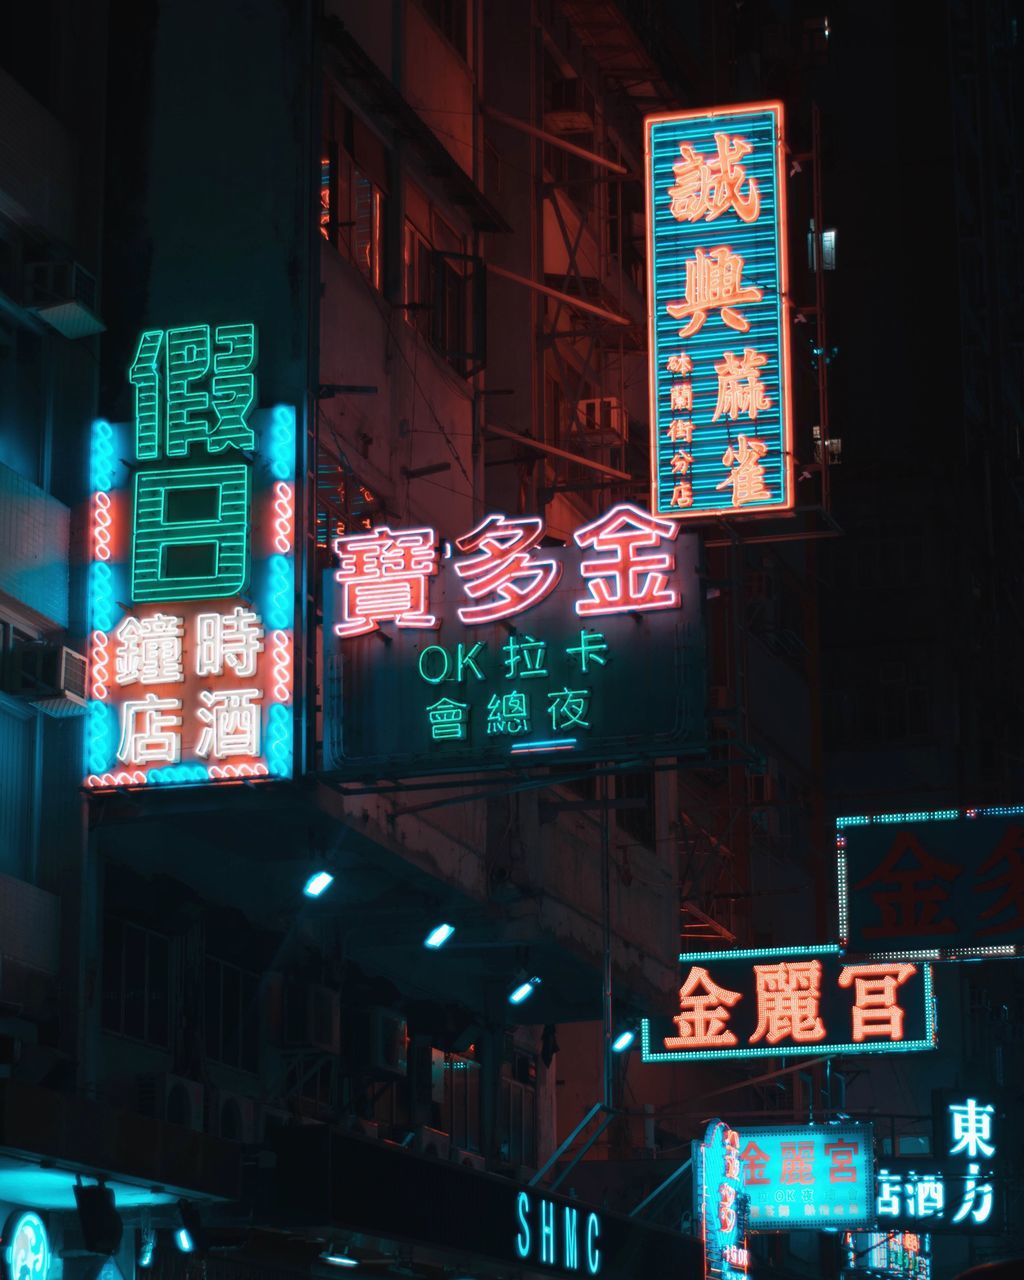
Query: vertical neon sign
{"x": 718, "y": 340}
{"x": 192, "y": 573}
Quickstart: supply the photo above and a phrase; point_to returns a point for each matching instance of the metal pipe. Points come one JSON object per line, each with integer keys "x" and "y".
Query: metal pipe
{"x": 552, "y": 139}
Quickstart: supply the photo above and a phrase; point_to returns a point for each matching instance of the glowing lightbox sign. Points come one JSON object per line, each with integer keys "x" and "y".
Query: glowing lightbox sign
{"x": 718, "y": 338}
{"x": 960, "y": 1188}
{"x": 720, "y": 1203}
{"x": 905, "y": 1255}
{"x": 192, "y": 571}
{"x": 940, "y": 885}
{"x": 26, "y": 1243}
{"x": 494, "y": 649}
{"x": 792, "y": 1001}
{"x": 806, "y": 1177}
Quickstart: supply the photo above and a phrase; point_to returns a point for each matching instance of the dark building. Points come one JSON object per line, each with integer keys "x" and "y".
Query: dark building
{"x": 431, "y": 213}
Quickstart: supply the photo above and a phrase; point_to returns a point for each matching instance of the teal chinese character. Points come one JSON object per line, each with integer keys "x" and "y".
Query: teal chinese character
{"x": 448, "y": 719}
{"x": 569, "y": 707}
{"x": 591, "y": 648}
{"x": 526, "y": 653}
{"x": 508, "y": 713}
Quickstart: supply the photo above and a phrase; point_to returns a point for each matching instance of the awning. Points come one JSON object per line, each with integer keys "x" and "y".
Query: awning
{"x": 335, "y": 1182}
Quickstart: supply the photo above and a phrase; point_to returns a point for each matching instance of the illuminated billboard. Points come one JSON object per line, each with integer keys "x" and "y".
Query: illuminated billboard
{"x": 792, "y": 1001}
{"x": 806, "y": 1177}
{"x": 958, "y": 1189}
{"x": 939, "y": 885}
{"x": 904, "y": 1255}
{"x": 718, "y": 338}
{"x": 192, "y": 571}
{"x": 720, "y": 1204}
{"x": 494, "y": 649}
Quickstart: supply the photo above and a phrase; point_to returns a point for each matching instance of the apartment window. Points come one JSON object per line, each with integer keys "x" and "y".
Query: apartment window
{"x": 353, "y": 189}
{"x": 518, "y": 1118}
{"x": 461, "y": 1107}
{"x": 449, "y": 16}
{"x": 443, "y": 289}
{"x": 231, "y": 1020}
{"x": 136, "y": 982}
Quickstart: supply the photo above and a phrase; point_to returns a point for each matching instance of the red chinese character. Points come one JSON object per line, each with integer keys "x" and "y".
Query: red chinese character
{"x": 788, "y": 995}
{"x": 714, "y": 281}
{"x": 706, "y": 188}
{"x": 726, "y": 1201}
{"x": 702, "y": 1019}
{"x": 1007, "y": 852}
{"x": 732, "y": 1154}
{"x": 842, "y": 1155}
{"x": 627, "y": 578}
{"x": 875, "y": 1010}
{"x": 383, "y": 578}
{"x": 754, "y": 1162}
{"x": 798, "y": 1162}
{"x": 503, "y": 567}
{"x": 912, "y": 887}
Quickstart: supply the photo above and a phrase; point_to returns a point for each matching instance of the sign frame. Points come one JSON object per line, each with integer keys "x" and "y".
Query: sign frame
{"x": 817, "y": 1048}
{"x": 720, "y": 186}
{"x": 854, "y": 939}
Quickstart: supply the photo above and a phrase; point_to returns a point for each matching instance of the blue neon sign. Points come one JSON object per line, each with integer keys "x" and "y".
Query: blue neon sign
{"x": 557, "y": 1235}
{"x": 721, "y": 432}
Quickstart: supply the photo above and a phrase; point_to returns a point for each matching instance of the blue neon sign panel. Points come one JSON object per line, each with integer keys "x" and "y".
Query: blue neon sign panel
{"x": 720, "y": 411}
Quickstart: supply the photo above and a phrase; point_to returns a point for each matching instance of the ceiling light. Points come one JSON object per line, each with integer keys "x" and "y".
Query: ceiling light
{"x": 317, "y": 884}
{"x": 438, "y": 937}
{"x": 523, "y": 990}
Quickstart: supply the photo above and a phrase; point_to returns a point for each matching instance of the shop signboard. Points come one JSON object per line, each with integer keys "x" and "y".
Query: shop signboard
{"x": 792, "y": 1001}
{"x": 496, "y": 650}
{"x": 718, "y": 336}
{"x": 940, "y": 885}
{"x": 958, "y": 1189}
{"x": 26, "y": 1246}
{"x": 902, "y": 1255}
{"x": 807, "y": 1177}
{"x": 192, "y": 571}
{"x": 720, "y": 1203}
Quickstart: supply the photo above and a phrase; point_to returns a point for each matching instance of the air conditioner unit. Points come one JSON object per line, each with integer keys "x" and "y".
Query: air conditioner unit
{"x": 49, "y": 676}
{"x": 64, "y": 295}
{"x": 312, "y": 1018}
{"x": 388, "y": 1043}
{"x": 431, "y": 1142}
{"x": 172, "y": 1099}
{"x": 571, "y": 107}
{"x": 236, "y": 1117}
{"x": 470, "y": 1160}
{"x": 602, "y": 421}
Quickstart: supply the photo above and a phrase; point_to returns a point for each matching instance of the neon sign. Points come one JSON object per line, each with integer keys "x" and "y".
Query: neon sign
{"x": 806, "y": 1177}
{"x": 802, "y": 1000}
{"x": 944, "y": 885}
{"x": 494, "y": 648}
{"x": 191, "y": 580}
{"x": 905, "y": 1254}
{"x": 557, "y": 1235}
{"x": 721, "y": 1203}
{"x": 26, "y": 1247}
{"x": 720, "y": 398}
{"x": 959, "y": 1188}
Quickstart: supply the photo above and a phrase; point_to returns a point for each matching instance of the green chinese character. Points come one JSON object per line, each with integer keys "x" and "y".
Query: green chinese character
{"x": 508, "y": 713}
{"x": 448, "y": 719}
{"x": 591, "y": 648}
{"x": 569, "y": 707}
{"x": 190, "y": 533}
{"x": 526, "y": 653}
